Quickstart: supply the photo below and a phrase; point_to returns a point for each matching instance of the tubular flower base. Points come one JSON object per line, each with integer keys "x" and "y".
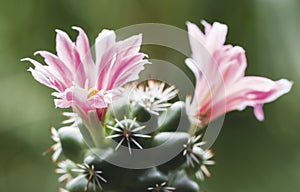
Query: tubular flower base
{"x": 114, "y": 112}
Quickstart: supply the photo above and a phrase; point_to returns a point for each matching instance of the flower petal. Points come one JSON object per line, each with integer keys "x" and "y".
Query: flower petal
{"x": 221, "y": 85}
{"x": 54, "y": 62}
{"x": 259, "y": 112}
{"x": 83, "y": 48}
{"x": 67, "y": 52}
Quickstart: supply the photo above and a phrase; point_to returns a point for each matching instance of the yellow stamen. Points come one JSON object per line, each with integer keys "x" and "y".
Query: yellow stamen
{"x": 92, "y": 93}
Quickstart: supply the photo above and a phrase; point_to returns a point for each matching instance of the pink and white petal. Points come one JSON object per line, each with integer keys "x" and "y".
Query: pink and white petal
{"x": 104, "y": 42}
{"x": 205, "y": 95}
{"x": 247, "y": 94}
{"x": 197, "y": 41}
{"x": 98, "y": 101}
{"x": 206, "y": 25}
{"x": 106, "y": 72}
{"x": 83, "y": 48}
{"x": 130, "y": 74}
{"x": 232, "y": 63}
{"x": 261, "y": 88}
{"x": 194, "y": 67}
{"x": 45, "y": 75}
{"x": 64, "y": 49}
{"x": 280, "y": 88}
{"x": 40, "y": 77}
{"x": 254, "y": 92}
{"x": 54, "y": 62}
{"x": 129, "y": 46}
{"x": 117, "y": 59}
{"x": 61, "y": 103}
{"x": 259, "y": 112}
{"x": 64, "y": 99}
{"x": 122, "y": 63}
{"x": 192, "y": 109}
{"x": 216, "y": 37}
{"x": 129, "y": 66}
{"x": 67, "y": 52}
{"x": 215, "y": 110}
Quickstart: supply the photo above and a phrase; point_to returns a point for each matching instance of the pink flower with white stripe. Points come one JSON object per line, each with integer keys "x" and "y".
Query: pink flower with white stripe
{"x": 221, "y": 84}
{"x": 85, "y": 84}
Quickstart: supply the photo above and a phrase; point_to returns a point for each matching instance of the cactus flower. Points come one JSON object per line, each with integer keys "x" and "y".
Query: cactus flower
{"x": 83, "y": 83}
{"x": 212, "y": 58}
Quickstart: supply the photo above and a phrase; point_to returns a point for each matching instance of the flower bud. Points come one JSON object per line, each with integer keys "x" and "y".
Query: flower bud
{"x": 169, "y": 120}
{"x": 140, "y": 113}
{"x": 174, "y": 140}
{"x": 72, "y": 143}
{"x": 79, "y": 184}
{"x": 183, "y": 183}
{"x": 149, "y": 178}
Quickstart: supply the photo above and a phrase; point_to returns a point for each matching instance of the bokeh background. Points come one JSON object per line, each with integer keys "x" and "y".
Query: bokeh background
{"x": 251, "y": 156}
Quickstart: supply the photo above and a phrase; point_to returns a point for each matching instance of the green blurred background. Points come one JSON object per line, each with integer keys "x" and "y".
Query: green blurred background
{"x": 251, "y": 156}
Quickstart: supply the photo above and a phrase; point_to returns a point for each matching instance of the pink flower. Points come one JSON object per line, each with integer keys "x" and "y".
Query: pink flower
{"x": 221, "y": 84}
{"x": 85, "y": 84}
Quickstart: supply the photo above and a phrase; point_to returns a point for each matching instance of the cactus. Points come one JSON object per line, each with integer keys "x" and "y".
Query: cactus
{"x": 128, "y": 136}
{"x": 86, "y": 170}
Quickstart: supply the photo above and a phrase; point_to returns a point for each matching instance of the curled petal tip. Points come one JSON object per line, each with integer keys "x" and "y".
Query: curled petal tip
{"x": 76, "y": 28}
{"x": 38, "y": 53}
{"x": 140, "y": 35}
{"x": 288, "y": 84}
{"x": 30, "y": 69}
{"x": 58, "y": 31}
{"x": 26, "y": 59}
{"x": 79, "y": 29}
{"x": 107, "y": 31}
{"x": 187, "y": 22}
{"x": 61, "y": 33}
{"x": 204, "y": 22}
{"x": 146, "y": 56}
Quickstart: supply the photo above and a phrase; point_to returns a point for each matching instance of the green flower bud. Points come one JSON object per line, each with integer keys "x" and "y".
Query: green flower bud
{"x": 169, "y": 120}
{"x": 147, "y": 178}
{"x": 79, "y": 184}
{"x": 112, "y": 173}
{"x": 72, "y": 143}
{"x": 173, "y": 140}
{"x": 140, "y": 113}
{"x": 183, "y": 183}
{"x": 118, "y": 111}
